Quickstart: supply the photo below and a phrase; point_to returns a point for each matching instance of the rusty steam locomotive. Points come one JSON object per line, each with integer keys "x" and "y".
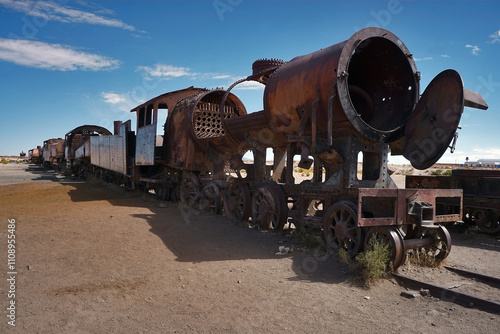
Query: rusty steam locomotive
{"x": 340, "y": 111}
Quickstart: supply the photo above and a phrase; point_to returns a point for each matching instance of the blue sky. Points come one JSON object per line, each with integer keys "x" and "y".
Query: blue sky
{"x": 68, "y": 63}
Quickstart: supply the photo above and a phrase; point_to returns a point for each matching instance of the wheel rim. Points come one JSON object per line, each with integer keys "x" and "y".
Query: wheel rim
{"x": 210, "y": 200}
{"x": 189, "y": 191}
{"x": 161, "y": 192}
{"x": 341, "y": 229}
{"x": 441, "y": 247}
{"x": 393, "y": 238}
{"x": 237, "y": 202}
{"x": 269, "y": 208}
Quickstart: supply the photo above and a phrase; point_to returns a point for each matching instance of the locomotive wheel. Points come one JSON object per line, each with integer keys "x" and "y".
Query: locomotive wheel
{"x": 211, "y": 200}
{"x": 189, "y": 191}
{"x": 393, "y": 238}
{"x": 161, "y": 192}
{"x": 441, "y": 247}
{"x": 340, "y": 227}
{"x": 489, "y": 223}
{"x": 269, "y": 208}
{"x": 237, "y": 202}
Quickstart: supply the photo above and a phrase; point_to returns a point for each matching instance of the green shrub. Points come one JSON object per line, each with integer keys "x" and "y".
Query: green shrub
{"x": 447, "y": 172}
{"x": 374, "y": 261}
{"x": 372, "y": 264}
{"x": 4, "y": 161}
{"x": 307, "y": 237}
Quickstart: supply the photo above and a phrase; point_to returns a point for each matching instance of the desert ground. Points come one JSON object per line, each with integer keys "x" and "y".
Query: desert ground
{"x": 93, "y": 258}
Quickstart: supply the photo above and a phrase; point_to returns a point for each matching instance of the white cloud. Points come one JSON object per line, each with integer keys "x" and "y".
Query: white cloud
{"x": 122, "y": 102}
{"x": 426, "y": 58}
{"x": 53, "y": 11}
{"x": 250, "y": 85}
{"x": 113, "y": 98}
{"x": 495, "y": 37}
{"x": 165, "y": 72}
{"x": 475, "y": 49}
{"x": 486, "y": 152}
{"x": 52, "y": 56}
{"x": 473, "y": 154}
{"x": 220, "y": 76}
{"x": 445, "y": 56}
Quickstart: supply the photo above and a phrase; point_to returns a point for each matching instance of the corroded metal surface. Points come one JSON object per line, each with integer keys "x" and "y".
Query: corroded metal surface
{"x": 481, "y": 194}
{"x": 110, "y": 151}
{"x": 335, "y": 114}
{"x": 53, "y": 150}
{"x": 435, "y": 120}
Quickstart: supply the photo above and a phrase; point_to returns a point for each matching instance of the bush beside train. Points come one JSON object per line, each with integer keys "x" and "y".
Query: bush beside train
{"x": 350, "y": 104}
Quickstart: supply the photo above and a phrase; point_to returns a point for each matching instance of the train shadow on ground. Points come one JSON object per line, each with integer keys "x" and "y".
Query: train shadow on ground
{"x": 194, "y": 236}
{"x": 473, "y": 237}
{"x": 42, "y": 173}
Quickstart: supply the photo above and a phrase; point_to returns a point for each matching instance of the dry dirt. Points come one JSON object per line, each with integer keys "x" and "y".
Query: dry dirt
{"x": 91, "y": 258}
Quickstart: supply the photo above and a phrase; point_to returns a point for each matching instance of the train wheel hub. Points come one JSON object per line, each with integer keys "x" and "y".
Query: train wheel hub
{"x": 340, "y": 231}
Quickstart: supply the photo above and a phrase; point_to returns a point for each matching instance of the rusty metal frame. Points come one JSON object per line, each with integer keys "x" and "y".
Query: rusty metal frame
{"x": 402, "y": 197}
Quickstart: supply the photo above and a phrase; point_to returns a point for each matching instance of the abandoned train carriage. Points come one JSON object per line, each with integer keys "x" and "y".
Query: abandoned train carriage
{"x": 481, "y": 194}
{"x": 358, "y": 98}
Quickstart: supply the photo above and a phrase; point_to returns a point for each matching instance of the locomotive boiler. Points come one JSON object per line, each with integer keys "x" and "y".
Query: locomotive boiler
{"x": 339, "y": 111}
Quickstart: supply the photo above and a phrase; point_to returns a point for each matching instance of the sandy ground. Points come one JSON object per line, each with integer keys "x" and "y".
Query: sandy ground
{"x": 91, "y": 258}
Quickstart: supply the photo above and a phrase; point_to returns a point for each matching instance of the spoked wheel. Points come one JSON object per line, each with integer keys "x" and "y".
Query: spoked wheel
{"x": 162, "y": 191}
{"x": 488, "y": 222}
{"x": 269, "y": 207}
{"x": 340, "y": 227}
{"x": 237, "y": 202}
{"x": 210, "y": 199}
{"x": 190, "y": 189}
{"x": 393, "y": 238}
{"x": 441, "y": 246}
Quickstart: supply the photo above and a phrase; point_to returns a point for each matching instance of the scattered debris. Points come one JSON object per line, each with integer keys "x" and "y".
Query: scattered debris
{"x": 410, "y": 294}
{"x": 456, "y": 286}
{"x": 425, "y": 292}
{"x": 284, "y": 250}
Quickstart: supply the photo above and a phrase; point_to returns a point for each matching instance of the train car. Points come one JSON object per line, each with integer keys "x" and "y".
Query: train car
{"x": 481, "y": 194}
{"x": 344, "y": 106}
{"x": 111, "y": 157}
{"x": 53, "y": 152}
{"x": 35, "y": 155}
{"x": 77, "y": 160}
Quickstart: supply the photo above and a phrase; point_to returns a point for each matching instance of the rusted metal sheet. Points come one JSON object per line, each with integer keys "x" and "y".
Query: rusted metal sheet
{"x": 147, "y": 120}
{"x": 77, "y": 137}
{"x": 83, "y": 151}
{"x": 145, "y": 145}
{"x": 393, "y": 206}
{"x": 53, "y": 150}
{"x": 368, "y": 81}
{"x": 196, "y": 124}
{"x": 481, "y": 192}
{"x": 435, "y": 120}
{"x": 110, "y": 152}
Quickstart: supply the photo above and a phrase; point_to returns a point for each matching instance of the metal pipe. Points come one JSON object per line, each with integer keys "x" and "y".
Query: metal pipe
{"x": 418, "y": 243}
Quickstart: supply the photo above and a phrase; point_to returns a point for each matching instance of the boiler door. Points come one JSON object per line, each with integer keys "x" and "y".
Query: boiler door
{"x": 434, "y": 121}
